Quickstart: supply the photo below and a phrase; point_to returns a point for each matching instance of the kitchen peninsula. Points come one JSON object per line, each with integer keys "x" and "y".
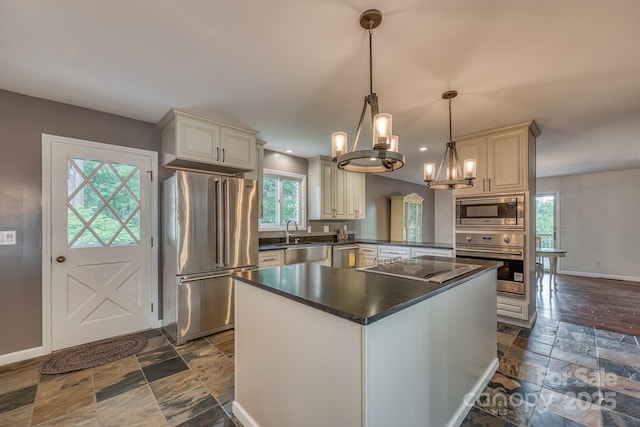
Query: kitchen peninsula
{"x": 317, "y": 346}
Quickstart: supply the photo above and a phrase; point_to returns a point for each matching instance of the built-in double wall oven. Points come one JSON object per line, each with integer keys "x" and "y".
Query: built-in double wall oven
{"x": 507, "y": 248}
{"x": 493, "y": 228}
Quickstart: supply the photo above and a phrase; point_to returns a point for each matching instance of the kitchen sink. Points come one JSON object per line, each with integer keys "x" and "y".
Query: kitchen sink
{"x": 305, "y": 252}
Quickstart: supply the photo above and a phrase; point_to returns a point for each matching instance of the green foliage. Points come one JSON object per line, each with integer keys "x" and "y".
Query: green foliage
{"x": 545, "y": 219}
{"x": 276, "y": 210}
{"x": 269, "y": 200}
{"x": 87, "y": 203}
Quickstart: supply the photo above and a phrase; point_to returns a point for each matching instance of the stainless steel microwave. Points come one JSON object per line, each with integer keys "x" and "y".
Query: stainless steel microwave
{"x": 503, "y": 212}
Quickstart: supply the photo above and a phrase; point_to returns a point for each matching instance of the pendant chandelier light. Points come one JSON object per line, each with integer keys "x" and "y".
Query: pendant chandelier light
{"x": 384, "y": 155}
{"x": 456, "y": 177}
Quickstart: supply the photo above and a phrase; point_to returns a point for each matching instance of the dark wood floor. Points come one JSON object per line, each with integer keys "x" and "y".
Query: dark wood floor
{"x": 613, "y": 305}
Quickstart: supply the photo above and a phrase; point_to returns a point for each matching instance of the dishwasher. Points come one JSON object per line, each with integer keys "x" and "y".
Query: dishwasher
{"x": 345, "y": 256}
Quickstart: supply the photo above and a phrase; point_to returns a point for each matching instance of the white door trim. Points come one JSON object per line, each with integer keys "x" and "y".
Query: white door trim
{"x": 47, "y": 140}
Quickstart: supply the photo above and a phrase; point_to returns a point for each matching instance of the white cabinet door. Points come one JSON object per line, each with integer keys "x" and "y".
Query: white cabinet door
{"x": 514, "y": 308}
{"x": 367, "y": 255}
{"x": 358, "y": 193}
{"x": 237, "y": 149}
{"x": 334, "y": 193}
{"x": 197, "y": 140}
{"x": 388, "y": 252}
{"x": 327, "y": 183}
{"x": 415, "y": 252}
{"x": 339, "y": 200}
{"x": 501, "y": 161}
{"x": 507, "y": 161}
{"x": 271, "y": 258}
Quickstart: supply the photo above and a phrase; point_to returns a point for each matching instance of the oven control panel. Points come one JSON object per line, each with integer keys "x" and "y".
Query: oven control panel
{"x": 490, "y": 239}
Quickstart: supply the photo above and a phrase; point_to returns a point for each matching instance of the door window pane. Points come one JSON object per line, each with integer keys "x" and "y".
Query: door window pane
{"x": 103, "y": 206}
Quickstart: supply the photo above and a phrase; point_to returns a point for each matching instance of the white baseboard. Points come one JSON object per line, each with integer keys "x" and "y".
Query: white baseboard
{"x": 243, "y": 416}
{"x": 471, "y": 397}
{"x": 21, "y": 355}
{"x": 600, "y": 276}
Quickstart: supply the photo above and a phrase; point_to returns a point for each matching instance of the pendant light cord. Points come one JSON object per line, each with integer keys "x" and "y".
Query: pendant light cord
{"x": 450, "y": 132}
{"x": 370, "y": 58}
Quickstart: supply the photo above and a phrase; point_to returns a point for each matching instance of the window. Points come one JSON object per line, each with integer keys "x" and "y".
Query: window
{"x": 283, "y": 198}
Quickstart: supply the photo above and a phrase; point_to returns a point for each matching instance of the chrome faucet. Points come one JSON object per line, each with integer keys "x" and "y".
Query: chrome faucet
{"x": 287, "y": 234}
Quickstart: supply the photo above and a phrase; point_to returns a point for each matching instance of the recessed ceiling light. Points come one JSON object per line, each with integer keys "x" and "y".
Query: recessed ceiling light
{"x": 423, "y": 148}
{"x": 288, "y": 151}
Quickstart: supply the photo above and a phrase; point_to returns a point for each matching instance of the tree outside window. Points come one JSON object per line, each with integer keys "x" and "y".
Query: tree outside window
{"x": 283, "y": 199}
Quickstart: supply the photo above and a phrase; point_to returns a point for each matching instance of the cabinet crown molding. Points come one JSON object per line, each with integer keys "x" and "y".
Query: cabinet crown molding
{"x": 532, "y": 125}
{"x": 178, "y": 112}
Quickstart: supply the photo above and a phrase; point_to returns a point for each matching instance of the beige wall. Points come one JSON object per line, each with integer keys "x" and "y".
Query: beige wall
{"x": 598, "y": 222}
{"x": 23, "y": 120}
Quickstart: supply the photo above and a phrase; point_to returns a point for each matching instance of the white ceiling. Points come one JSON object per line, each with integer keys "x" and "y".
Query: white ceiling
{"x": 297, "y": 70}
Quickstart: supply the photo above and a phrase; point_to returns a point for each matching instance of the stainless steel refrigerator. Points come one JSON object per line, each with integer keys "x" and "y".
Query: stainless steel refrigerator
{"x": 210, "y": 229}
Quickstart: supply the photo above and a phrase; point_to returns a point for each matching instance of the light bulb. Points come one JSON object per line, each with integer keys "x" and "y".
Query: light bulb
{"x": 338, "y": 144}
{"x": 429, "y": 172}
{"x": 469, "y": 168}
{"x": 452, "y": 173}
{"x": 382, "y": 128}
{"x": 394, "y": 143}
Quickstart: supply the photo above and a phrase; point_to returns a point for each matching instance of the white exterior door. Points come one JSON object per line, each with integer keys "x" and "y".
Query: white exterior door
{"x": 102, "y": 218}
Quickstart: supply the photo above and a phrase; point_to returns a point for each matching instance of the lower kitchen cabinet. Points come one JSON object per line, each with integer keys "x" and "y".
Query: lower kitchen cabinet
{"x": 367, "y": 255}
{"x": 513, "y": 307}
{"x": 390, "y": 252}
{"x": 431, "y": 251}
{"x": 272, "y": 258}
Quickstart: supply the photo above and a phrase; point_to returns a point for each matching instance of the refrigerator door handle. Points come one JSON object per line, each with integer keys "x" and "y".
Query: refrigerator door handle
{"x": 227, "y": 226}
{"x": 219, "y": 226}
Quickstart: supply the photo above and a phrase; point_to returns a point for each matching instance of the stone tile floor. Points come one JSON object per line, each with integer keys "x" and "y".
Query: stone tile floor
{"x": 561, "y": 374}
{"x": 163, "y": 384}
{"x": 556, "y": 374}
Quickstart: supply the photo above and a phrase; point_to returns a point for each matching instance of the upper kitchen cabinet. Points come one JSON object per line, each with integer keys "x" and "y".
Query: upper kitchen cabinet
{"x": 355, "y": 187}
{"x": 334, "y": 193}
{"x": 505, "y": 158}
{"x": 190, "y": 141}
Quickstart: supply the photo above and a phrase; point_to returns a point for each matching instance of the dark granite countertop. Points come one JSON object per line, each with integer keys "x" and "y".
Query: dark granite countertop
{"x": 433, "y": 245}
{"x": 358, "y": 296}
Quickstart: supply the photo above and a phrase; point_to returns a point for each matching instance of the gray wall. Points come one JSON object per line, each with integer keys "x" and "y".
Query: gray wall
{"x": 378, "y": 210}
{"x": 285, "y": 163}
{"x": 598, "y": 222}
{"x": 379, "y": 189}
{"x": 23, "y": 120}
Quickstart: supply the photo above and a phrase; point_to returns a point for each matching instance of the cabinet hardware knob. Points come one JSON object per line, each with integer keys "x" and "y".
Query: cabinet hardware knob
{"x": 61, "y": 259}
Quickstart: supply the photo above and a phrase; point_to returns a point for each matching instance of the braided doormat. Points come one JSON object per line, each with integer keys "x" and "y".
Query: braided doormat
{"x": 92, "y": 354}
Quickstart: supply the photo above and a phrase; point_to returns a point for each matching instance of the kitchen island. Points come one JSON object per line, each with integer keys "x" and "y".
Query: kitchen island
{"x": 317, "y": 346}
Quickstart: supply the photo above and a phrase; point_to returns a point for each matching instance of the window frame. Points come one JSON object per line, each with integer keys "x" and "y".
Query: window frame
{"x": 302, "y": 201}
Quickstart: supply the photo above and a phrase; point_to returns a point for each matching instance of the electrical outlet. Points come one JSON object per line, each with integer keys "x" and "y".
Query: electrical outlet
{"x": 7, "y": 237}
{"x": 597, "y": 263}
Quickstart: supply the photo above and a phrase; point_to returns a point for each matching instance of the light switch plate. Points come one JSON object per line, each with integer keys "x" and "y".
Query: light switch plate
{"x": 7, "y": 237}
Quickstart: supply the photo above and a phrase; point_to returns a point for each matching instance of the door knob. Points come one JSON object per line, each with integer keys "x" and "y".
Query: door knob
{"x": 61, "y": 259}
